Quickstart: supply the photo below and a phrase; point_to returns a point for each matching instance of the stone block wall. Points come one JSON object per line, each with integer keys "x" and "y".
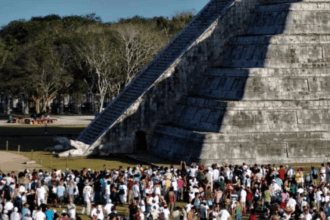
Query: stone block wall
{"x": 161, "y": 99}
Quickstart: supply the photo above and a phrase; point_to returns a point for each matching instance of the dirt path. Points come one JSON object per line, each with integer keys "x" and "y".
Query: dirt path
{"x": 14, "y": 162}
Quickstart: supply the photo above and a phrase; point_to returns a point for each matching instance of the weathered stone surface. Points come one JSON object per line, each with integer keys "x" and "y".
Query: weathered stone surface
{"x": 251, "y": 86}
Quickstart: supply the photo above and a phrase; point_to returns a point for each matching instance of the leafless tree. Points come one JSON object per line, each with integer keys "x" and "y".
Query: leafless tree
{"x": 138, "y": 45}
{"x": 99, "y": 56}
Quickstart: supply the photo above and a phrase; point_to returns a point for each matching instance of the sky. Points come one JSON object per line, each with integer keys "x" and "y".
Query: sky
{"x": 108, "y": 10}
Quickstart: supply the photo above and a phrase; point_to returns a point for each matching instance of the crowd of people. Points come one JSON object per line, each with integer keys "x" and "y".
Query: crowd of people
{"x": 185, "y": 192}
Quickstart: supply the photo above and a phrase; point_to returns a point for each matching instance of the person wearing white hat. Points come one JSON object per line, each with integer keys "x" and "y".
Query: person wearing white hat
{"x": 9, "y": 206}
{"x": 15, "y": 215}
{"x": 100, "y": 215}
{"x": 108, "y": 207}
{"x": 87, "y": 193}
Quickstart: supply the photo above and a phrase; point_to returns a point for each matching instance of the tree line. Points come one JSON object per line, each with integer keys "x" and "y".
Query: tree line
{"x": 52, "y": 55}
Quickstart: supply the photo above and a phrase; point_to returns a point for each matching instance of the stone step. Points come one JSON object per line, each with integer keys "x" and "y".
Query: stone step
{"x": 265, "y": 84}
{"x": 287, "y": 19}
{"x": 295, "y": 6}
{"x": 289, "y": 29}
{"x": 202, "y": 102}
{"x": 267, "y": 72}
{"x": 276, "y": 55}
{"x": 193, "y": 115}
{"x": 274, "y": 2}
{"x": 176, "y": 143}
{"x": 281, "y": 39}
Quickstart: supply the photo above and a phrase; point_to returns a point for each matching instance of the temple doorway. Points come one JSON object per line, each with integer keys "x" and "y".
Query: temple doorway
{"x": 141, "y": 141}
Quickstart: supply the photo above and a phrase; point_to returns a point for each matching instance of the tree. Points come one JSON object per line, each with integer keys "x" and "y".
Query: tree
{"x": 138, "y": 45}
{"x": 3, "y": 54}
{"x": 47, "y": 74}
{"x": 96, "y": 54}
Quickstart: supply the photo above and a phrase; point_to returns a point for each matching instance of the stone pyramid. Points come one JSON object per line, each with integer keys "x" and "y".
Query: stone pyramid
{"x": 246, "y": 81}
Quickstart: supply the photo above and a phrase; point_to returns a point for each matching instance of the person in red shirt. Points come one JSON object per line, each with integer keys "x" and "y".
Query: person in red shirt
{"x": 253, "y": 215}
{"x": 249, "y": 198}
{"x": 171, "y": 199}
{"x": 281, "y": 173}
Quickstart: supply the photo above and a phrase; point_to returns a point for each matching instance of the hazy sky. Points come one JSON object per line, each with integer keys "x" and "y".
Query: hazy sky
{"x": 108, "y": 10}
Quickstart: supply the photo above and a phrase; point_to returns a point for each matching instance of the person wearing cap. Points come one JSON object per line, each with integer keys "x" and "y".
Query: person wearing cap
{"x": 87, "y": 194}
{"x": 15, "y": 215}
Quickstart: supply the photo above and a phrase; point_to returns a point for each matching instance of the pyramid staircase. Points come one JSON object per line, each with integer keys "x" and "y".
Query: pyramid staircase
{"x": 269, "y": 100}
{"x": 144, "y": 80}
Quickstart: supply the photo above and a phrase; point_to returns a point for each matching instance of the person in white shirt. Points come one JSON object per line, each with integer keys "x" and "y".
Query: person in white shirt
{"x": 94, "y": 211}
{"x": 166, "y": 213}
{"x": 275, "y": 187}
{"x": 303, "y": 204}
{"x": 15, "y": 215}
{"x": 40, "y": 194}
{"x": 307, "y": 215}
{"x": 136, "y": 191}
{"x": 22, "y": 189}
{"x": 242, "y": 199}
{"x": 193, "y": 171}
{"x": 108, "y": 207}
{"x": 71, "y": 210}
{"x": 142, "y": 205}
{"x": 291, "y": 203}
{"x": 215, "y": 174}
{"x": 122, "y": 193}
{"x": 318, "y": 197}
{"x": 9, "y": 180}
{"x": 100, "y": 215}
{"x": 224, "y": 214}
{"x": 107, "y": 191}
{"x": 9, "y": 206}
{"x": 154, "y": 206}
{"x": 40, "y": 215}
{"x": 174, "y": 184}
{"x": 27, "y": 217}
{"x": 193, "y": 182}
{"x": 87, "y": 193}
